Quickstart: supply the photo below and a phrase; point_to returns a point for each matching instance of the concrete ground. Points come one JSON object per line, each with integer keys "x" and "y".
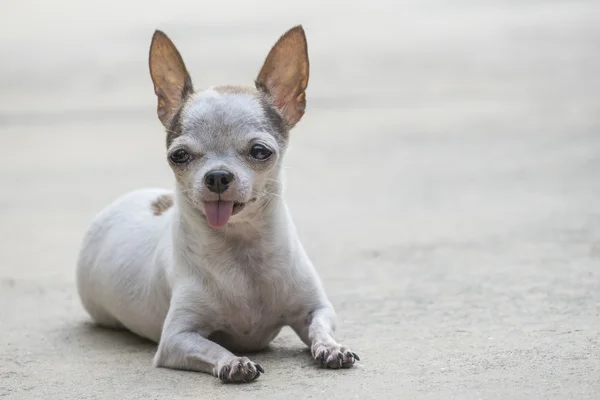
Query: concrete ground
{"x": 445, "y": 180}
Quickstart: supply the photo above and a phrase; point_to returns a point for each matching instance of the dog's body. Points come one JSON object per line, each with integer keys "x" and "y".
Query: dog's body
{"x": 216, "y": 265}
{"x": 247, "y": 285}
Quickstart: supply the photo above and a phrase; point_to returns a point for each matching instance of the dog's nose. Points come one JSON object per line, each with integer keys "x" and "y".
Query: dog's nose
{"x": 218, "y": 181}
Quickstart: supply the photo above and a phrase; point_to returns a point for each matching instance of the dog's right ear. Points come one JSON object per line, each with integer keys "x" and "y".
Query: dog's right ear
{"x": 172, "y": 83}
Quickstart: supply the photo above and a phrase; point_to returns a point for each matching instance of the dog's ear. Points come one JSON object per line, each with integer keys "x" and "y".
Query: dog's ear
{"x": 284, "y": 75}
{"x": 172, "y": 83}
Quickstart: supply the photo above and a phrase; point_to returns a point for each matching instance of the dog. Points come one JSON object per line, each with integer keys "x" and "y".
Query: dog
{"x": 215, "y": 266}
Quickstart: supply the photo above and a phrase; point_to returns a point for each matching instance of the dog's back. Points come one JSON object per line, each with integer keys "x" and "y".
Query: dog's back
{"x": 118, "y": 266}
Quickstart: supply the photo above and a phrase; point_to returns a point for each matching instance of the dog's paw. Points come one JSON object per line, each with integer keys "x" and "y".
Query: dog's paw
{"x": 333, "y": 356}
{"x": 239, "y": 369}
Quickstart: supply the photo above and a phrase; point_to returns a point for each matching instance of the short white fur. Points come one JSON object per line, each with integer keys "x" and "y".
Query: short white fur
{"x": 202, "y": 292}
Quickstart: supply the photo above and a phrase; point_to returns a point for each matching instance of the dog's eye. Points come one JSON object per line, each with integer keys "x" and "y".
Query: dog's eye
{"x": 260, "y": 152}
{"x": 180, "y": 156}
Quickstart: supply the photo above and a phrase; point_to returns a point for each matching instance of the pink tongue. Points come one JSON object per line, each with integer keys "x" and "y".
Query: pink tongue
{"x": 218, "y": 212}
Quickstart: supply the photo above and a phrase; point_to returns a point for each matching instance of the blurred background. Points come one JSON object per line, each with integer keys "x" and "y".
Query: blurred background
{"x": 445, "y": 180}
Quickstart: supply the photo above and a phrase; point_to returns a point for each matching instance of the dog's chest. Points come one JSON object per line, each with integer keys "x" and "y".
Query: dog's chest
{"x": 253, "y": 296}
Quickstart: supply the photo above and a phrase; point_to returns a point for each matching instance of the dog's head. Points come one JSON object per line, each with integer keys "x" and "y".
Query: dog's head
{"x": 225, "y": 143}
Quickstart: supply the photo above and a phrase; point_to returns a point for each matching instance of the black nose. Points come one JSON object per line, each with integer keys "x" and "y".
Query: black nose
{"x": 218, "y": 180}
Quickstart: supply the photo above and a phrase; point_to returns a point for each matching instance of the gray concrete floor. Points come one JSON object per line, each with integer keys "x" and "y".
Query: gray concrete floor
{"x": 445, "y": 180}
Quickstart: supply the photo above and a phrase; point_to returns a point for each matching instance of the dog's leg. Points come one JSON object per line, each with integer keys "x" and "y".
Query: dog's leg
{"x": 185, "y": 345}
{"x": 316, "y": 330}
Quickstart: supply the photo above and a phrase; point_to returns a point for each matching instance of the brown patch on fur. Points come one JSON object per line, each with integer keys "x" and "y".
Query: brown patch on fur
{"x": 237, "y": 89}
{"x": 162, "y": 204}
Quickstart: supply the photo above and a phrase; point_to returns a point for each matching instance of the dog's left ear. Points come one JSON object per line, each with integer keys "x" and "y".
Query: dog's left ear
{"x": 172, "y": 83}
{"x": 284, "y": 75}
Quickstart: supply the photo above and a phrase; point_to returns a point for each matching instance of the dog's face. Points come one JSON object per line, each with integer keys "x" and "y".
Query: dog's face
{"x": 225, "y": 147}
{"x": 225, "y": 144}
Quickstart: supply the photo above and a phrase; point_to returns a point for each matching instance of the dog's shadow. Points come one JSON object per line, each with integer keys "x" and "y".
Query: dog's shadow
{"x": 98, "y": 338}
{"x": 93, "y": 337}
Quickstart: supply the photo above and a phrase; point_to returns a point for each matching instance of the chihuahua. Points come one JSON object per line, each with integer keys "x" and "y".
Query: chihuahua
{"x": 215, "y": 266}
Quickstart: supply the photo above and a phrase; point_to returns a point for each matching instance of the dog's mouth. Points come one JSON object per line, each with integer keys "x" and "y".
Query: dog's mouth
{"x": 219, "y": 212}
{"x": 237, "y": 207}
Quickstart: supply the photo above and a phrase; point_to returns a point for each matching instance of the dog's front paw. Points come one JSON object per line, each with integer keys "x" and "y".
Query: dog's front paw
{"x": 333, "y": 355}
{"x": 239, "y": 369}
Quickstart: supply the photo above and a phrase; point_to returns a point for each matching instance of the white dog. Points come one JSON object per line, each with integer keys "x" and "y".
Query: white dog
{"x": 215, "y": 266}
